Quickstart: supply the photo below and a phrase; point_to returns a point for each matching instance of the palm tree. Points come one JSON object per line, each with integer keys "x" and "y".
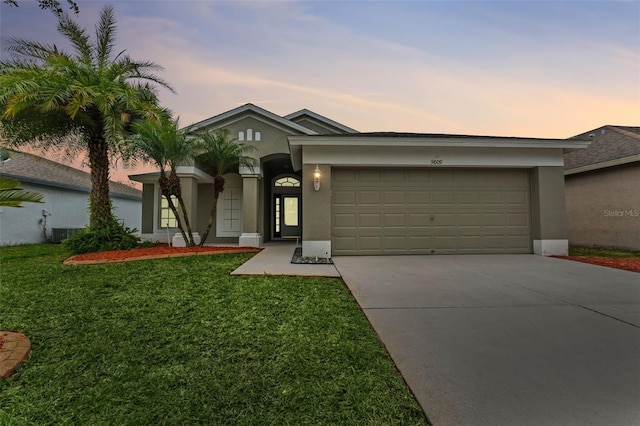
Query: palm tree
{"x": 162, "y": 143}
{"x": 46, "y": 95}
{"x": 11, "y": 195}
{"x": 223, "y": 155}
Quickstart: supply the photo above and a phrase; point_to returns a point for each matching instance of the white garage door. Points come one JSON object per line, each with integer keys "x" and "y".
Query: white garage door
{"x": 430, "y": 211}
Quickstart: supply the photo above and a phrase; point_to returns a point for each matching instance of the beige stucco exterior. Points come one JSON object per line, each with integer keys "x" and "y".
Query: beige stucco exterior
{"x": 549, "y": 219}
{"x": 253, "y": 210}
{"x": 603, "y": 207}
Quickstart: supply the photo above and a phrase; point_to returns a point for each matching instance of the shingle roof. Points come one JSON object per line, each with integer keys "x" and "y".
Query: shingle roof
{"x": 32, "y": 168}
{"x": 608, "y": 143}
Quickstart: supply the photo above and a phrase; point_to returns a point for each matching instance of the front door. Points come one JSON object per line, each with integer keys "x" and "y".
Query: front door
{"x": 287, "y": 216}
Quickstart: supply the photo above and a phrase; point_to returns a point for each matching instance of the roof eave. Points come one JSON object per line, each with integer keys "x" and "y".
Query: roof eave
{"x": 494, "y": 142}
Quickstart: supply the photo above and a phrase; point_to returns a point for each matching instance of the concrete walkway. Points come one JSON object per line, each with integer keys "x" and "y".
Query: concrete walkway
{"x": 507, "y": 339}
{"x": 275, "y": 259}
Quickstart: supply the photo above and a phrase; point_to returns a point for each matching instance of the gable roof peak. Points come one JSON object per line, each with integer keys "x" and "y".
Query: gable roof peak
{"x": 249, "y": 107}
{"x": 321, "y": 118}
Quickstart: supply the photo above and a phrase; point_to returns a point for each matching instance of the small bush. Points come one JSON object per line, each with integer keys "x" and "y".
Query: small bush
{"x": 114, "y": 237}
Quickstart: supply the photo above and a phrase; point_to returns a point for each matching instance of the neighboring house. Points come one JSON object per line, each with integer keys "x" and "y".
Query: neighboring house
{"x": 66, "y": 200}
{"x": 376, "y": 193}
{"x": 602, "y": 188}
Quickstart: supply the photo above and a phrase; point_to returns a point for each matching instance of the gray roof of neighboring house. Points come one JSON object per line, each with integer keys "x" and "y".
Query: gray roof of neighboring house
{"x": 34, "y": 169}
{"x": 609, "y": 146}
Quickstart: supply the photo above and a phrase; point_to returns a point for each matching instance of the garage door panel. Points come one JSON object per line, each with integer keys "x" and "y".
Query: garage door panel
{"x": 370, "y": 176}
{"x": 387, "y": 211}
{"x": 419, "y": 219}
{"x": 442, "y": 197}
{"x": 518, "y": 219}
{"x": 469, "y": 219}
{"x": 418, "y": 197}
{"x": 516, "y": 241}
{"x": 344, "y": 220}
{"x": 394, "y": 175}
{"x": 394, "y": 198}
{"x": 443, "y": 219}
{"x": 395, "y": 243}
{"x": 344, "y": 176}
{"x": 345, "y": 244}
{"x": 370, "y": 220}
{"x": 417, "y": 176}
{"x": 370, "y": 243}
{"x": 491, "y": 197}
{"x": 369, "y": 198}
{"x": 442, "y": 177}
{"x": 519, "y": 198}
{"x": 395, "y": 220}
{"x": 468, "y": 197}
{"x": 417, "y": 243}
{"x": 345, "y": 198}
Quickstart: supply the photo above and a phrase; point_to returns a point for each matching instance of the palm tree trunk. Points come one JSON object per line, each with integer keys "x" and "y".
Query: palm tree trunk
{"x": 100, "y": 208}
{"x": 187, "y": 224}
{"x": 173, "y": 208}
{"x": 218, "y": 187}
{"x": 164, "y": 188}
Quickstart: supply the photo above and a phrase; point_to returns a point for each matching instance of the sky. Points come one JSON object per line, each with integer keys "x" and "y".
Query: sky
{"x": 548, "y": 69}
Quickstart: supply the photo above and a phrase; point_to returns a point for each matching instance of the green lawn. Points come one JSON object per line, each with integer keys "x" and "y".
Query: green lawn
{"x": 602, "y": 252}
{"x": 179, "y": 341}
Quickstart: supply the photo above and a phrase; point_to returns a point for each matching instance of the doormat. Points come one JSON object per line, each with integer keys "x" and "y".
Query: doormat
{"x": 297, "y": 258}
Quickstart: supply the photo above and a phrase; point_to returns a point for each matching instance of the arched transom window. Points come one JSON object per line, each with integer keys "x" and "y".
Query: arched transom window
{"x": 289, "y": 182}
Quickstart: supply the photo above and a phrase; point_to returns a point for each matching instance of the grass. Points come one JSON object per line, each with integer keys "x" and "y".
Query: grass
{"x": 602, "y": 252}
{"x": 179, "y": 341}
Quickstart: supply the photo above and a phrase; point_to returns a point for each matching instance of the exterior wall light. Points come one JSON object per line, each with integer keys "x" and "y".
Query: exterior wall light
{"x": 316, "y": 178}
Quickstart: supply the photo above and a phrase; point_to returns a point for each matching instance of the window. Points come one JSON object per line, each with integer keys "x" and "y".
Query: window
{"x": 290, "y": 211}
{"x": 240, "y": 136}
{"x": 167, "y": 218}
{"x": 287, "y": 182}
{"x": 278, "y": 215}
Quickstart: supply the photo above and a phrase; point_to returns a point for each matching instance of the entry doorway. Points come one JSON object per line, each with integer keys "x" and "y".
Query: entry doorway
{"x": 286, "y": 207}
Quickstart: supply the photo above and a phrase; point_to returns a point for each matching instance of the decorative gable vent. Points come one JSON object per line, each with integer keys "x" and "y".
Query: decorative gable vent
{"x": 250, "y": 135}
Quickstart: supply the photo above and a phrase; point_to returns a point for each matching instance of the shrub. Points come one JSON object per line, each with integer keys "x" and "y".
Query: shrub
{"x": 116, "y": 236}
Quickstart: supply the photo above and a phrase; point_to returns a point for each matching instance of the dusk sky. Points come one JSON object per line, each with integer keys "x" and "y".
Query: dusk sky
{"x": 511, "y": 68}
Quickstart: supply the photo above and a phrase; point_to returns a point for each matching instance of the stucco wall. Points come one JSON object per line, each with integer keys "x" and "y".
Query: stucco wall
{"x": 603, "y": 207}
{"x": 272, "y": 140}
{"x": 68, "y": 208}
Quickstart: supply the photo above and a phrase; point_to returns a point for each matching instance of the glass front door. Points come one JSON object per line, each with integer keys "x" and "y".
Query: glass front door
{"x": 287, "y": 216}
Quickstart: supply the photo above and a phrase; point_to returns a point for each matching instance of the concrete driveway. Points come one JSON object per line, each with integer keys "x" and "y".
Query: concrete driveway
{"x": 507, "y": 339}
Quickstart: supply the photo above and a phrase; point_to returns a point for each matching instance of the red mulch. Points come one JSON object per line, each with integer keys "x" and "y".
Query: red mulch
{"x": 157, "y": 251}
{"x": 626, "y": 263}
{"x": 1, "y": 341}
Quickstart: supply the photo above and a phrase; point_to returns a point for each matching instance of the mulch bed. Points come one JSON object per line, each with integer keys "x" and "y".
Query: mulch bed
{"x": 1, "y": 341}
{"x": 627, "y": 263}
{"x": 155, "y": 252}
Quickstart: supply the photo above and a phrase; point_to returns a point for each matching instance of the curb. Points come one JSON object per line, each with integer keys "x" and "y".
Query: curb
{"x": 71, "y": 261}
{"x": 14, "y": 351}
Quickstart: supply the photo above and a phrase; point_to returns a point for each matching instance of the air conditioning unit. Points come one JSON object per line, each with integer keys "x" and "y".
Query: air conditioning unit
{"x": 59, "y": 234}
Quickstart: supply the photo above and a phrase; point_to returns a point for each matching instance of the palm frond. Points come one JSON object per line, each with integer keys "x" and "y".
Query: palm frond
{"x": 105, "y": 36}
{"x": 31, "y": 49}
{"x": 222, "y": 153}
{"x": 11, "y": 195}
{"x": 78, "y": 38}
